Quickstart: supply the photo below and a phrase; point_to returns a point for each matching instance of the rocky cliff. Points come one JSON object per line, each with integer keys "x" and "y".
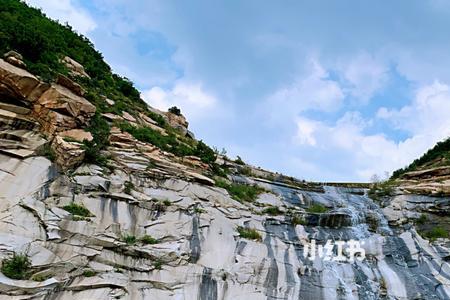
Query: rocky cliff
{"x": 102, "y": 197}
{"x": 152, "y": 225}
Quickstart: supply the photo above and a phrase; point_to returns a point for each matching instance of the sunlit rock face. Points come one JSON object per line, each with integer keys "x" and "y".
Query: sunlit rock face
{"x": 199, "y": 254}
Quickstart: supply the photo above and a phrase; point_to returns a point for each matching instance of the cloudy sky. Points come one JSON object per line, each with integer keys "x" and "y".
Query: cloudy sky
{"x": 321, "y": 90}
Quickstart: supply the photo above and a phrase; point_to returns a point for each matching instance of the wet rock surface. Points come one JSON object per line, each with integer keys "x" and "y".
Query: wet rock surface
{"x": 198, "y": 253}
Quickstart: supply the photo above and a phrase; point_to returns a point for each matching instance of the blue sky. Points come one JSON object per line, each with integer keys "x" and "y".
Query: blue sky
{"x": 321, "y": 90}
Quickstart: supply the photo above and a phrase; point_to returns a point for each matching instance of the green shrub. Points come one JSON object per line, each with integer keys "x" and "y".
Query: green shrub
{"x": 239, "y": 160}
{"x": 157, "y": 265}
{"x": 249, "y": 233}
{"x": 129, "y": 186}
{"x": 317, "y": 208}
{"x": 149, "y": 240}
{"x": 17, "y": 267}
{"x": 297, "y": 220}
{"x": 273, "y": 211}
{"x": 241, "y": 192}
{"x": 246, "y": 171}
{"x": 167, "y": 202}
{"x": 218, "y": 170}
{"x": 435, "y": 233}
{"x": 89, "y": 273}
{"x": 40, "y": 277}
{"x": 175, "y": 110}
{"x": 206, "y": 154}
{"x": 167, "y": 143}
{"x": 129, "y": 239}
{"x": 199, "y": 210}
{"x": 381, "y": 189}
{"x": 77, "y": 209}
{"x": 48, "y": 152}
{"x": 100, "y": 130}
{"x": 422, "y": 219}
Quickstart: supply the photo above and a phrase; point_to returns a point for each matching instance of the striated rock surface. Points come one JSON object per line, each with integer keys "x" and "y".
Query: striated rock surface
{"x": 148, "y": 224}
{"x": 199, "y": 253}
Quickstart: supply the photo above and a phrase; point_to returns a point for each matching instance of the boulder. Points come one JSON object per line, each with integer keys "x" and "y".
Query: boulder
{"x": 68, "y": 154}
{"x": 128, "y": 117}
{"x": 64, "y": 101}
{"x": 70, "y": 84}
{"x": 15, "y": 59}
{"x": 52, "y": 122}
{"x": 17, "y": 83}
{"x": 110, "y": 102}
{"x": 75, "y": 68}
{"x": 78, "y": 135}
{"x": 178, "y": 122}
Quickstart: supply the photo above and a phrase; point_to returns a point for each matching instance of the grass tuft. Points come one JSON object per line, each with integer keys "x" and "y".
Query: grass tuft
{"x": 129, "y": 239}
{"x": 317, "y": 208}
{"x": 78, "y": 210}
{"x": 149, "y": 240}
{"x": 249, "y": 233}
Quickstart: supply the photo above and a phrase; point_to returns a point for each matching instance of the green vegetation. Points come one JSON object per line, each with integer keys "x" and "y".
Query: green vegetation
{"x": 48, "y": 152}
{"x": 79, "y": 218}
{"x": 239, "y": 160}
{"x": 249, "y": 233}
{"x": 77, "y": 209}
{"x": 317, "y": 208}
{"x": 435, "y": 233}
{"x": 219, "y": 171}
{"x": 157, "y": 265}
{"x": 170, "y": 142}
{"x": 199, "y": 210}
{"x": 247, "y": 171}
{"x": 17, "y": 267}
{"x": 421, "y": 220}
{"x": 149, "y": 240}
{"x": 129, "y": 186}
{"x": 297, "y": 220}
{"x": 440, "y": 150}
{"x": 273, "y": 211}
{"x": 99, "y": 129}
{"x": 44, "y": 42}
{"x": 241, "y": 192}
{"x": 40, "y": 277}
{"x": 129, "y": 239}
{"x": 167, "y": 202}
{"x": 381, "y": 189}
{"x": 89, "y": 273}
{"x": 175, "y": 110}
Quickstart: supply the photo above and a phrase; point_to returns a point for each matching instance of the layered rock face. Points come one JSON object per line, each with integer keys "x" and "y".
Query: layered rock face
{"x": 152, "y": 225}
{"x": 199, "y": 254}
{"x": 33, "y": 113}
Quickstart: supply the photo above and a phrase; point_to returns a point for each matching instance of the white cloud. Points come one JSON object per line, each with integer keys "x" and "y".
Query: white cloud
{"x": 193, "y": 101}
{"x": 425, "y": 119}
{"x": 428, "y": 114}
{"x": 315, "y": 91}
{"x": 305, "y": 132}
{"x": 66, "y": 11}
{"x": 365, "y": 75}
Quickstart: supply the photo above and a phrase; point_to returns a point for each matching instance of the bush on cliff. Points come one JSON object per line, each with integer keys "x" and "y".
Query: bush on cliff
{"x": 16, "y": 267}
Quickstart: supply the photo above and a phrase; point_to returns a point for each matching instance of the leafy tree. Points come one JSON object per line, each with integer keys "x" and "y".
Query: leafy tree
{"x": 175, "y": 110}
